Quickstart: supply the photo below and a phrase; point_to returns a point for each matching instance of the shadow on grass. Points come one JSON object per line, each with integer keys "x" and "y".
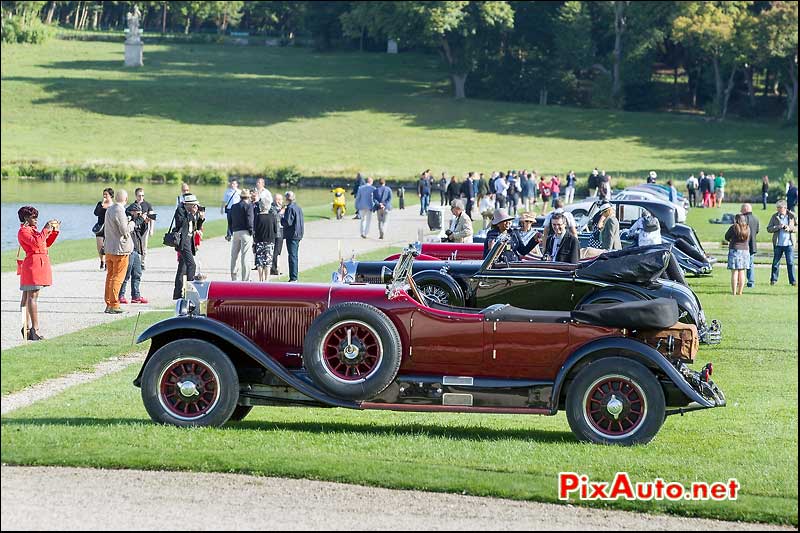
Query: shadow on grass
{"x": 434, "y": 431}
{"x": 262, "y": 87}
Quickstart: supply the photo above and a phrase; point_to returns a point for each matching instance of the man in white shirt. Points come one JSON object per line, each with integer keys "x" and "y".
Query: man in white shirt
{"x": 486, "y": 207}
{"x": 691, "y": 187}
{"x": 229, "y": 199}
{"x": 501, "y": 189}
{"x": 262, "y": 192}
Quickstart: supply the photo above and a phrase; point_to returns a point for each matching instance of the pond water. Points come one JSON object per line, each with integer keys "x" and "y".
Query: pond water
{"x": 76, "y": 220}
{"x": 73, "y": 204}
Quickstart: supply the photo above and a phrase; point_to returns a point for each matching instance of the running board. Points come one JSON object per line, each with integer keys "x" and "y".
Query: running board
{"x": 454, "y": 409}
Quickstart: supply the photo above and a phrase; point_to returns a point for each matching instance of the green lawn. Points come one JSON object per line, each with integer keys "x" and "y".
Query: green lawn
{"x": 335, "y": 114}
{"x": 753, "y": 439}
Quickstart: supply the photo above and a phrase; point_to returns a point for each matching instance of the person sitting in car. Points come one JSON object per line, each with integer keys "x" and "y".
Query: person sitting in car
{"x": 562, "y": 245}
{"x": 516, "y": 247}
{"x": 646, "y": 230}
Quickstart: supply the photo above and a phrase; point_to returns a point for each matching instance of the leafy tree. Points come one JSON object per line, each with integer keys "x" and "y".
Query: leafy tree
{"x": 781, "y": 24}
{"x": 457, "y": 29}
{"x": 715, "y": 28}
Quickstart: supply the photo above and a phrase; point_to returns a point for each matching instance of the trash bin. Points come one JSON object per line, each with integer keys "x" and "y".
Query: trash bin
{"x": 434, "y": 219}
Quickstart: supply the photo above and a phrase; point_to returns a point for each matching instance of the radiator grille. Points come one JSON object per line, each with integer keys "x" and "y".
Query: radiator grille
{"x": 269, "y": 325}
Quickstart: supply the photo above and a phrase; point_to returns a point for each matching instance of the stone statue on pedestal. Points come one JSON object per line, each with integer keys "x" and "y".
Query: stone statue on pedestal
{"x": 134, "y": 34}
{"x": 133, "y": 42}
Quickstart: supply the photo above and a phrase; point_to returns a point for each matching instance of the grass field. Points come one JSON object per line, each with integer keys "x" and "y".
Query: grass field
{"x": 753, "y": 439}
{"x": 335, "y": 114}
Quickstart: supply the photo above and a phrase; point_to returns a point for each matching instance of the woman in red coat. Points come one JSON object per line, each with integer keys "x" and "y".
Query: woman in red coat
{"x": 35, "y": 271}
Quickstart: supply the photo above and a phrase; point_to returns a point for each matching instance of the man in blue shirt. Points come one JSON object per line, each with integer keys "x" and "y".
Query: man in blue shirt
{"x": 229, "y": 199}
{"x": 383, "y": 204}
{"x": 365, "y": 200}
{"x": 424, "y": 191}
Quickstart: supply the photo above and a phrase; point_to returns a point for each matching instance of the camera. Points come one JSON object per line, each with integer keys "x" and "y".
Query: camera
{"x": 201, "y": 208}
{"x": 152, "y": 216}
{"x": 448, "y": 232}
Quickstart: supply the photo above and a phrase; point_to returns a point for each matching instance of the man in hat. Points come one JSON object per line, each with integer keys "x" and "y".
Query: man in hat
{"x": 651, "y": 178}
{"x": 562, "y": 246}
{"x": 188, "y": 221}
{"x": 516, "y": 248}
{"x": 460, "y": 229}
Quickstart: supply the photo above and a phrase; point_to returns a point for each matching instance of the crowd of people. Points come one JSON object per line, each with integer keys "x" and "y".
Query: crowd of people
{"x": 260, "y": 225}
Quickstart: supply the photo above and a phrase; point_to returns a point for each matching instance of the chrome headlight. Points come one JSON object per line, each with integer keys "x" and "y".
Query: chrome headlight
{"x": 346, "y": 272}
{"x": 195, "y": 302}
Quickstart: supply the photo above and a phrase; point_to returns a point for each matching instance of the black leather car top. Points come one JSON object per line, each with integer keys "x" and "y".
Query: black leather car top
{"x": 509, "y": 313}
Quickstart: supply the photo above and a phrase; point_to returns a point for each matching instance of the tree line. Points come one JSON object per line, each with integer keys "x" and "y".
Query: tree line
{"x": 708, "y": 56}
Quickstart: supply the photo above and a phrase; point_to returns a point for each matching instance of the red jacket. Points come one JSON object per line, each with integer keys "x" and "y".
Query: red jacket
{"x": 36, "y": 266}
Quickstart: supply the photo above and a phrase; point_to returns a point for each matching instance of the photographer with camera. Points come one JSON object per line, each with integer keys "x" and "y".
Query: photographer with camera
{"x": 188, "y": 221}
{"x": 783, "y": 226}
{"x": 460, "y": 229}
{"x": 141, "y": 227}
{"x": 150, "y": 217}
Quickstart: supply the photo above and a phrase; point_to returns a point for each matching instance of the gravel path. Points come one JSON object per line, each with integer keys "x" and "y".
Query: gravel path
{"x": 88, "y": 499}
{"x": 75, "y": 300}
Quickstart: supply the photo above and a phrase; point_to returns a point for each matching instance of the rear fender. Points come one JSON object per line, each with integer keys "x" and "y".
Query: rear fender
{"x": 624, "y": 347}
{"x": 214, "y": 330}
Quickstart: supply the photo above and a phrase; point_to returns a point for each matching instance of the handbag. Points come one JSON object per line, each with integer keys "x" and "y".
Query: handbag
{"x": 172, "y": 238}
{"x": 19, "y": 262}
{"x": 98, "y": 228}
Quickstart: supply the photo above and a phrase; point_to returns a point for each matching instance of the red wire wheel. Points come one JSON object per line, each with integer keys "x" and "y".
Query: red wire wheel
{"x": 351, "y": 351}
{"x": 188, "y": 388}
{"x": 614, "y": 406}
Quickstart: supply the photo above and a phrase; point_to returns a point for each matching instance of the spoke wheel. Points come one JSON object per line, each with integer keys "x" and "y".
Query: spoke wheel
{"x": 615, "y": 400}
{"x": 614, "y": 406}
{"x": 352, "y": 351}
{"x": 190, "y": 382}
{"x": 188, "y": 388}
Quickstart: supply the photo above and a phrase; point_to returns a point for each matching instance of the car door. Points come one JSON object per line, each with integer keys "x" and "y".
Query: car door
{"x": 532, "y": 350}
{"x": 450, "y": 343}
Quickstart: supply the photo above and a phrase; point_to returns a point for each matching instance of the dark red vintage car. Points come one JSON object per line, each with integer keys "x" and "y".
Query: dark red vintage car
{"x": 234, "y": 345}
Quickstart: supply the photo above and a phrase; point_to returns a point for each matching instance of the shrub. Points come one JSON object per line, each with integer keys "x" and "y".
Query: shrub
{"x": 287, "y": 176}
{"x": 32, "y": 32}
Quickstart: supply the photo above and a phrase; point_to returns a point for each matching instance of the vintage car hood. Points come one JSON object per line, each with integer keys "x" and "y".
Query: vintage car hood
{"x": 298, "y": 292}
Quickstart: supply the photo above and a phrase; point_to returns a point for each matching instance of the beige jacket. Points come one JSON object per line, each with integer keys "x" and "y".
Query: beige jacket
{"x": 118, "y": 229}
{"x": 774, "y": 227}
{"x": 462, "y": 232}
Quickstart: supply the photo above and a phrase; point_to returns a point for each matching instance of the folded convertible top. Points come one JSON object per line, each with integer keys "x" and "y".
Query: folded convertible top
{"x": 660, "y": 313}
{"x": 637, "y": 264}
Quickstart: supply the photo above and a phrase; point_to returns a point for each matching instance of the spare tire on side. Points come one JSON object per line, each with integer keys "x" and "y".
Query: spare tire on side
{"x": 439, "y": 287}
{"x": 352, "y": 351}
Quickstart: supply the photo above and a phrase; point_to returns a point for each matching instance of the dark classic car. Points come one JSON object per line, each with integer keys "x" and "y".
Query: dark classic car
{"x": 689, "y": 253}
{"x": 540, "y": 285}
{"x": 234, "y": 345}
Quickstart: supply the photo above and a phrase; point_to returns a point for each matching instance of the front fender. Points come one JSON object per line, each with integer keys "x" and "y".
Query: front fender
{"x": 222, "y": 331}
{"x": 632, "y": 348}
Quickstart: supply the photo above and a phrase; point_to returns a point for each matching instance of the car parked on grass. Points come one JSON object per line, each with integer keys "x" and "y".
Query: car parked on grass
{"x": 582, "y": 207}
{"x": 234, "y": 345}
{"x": 542, "y": 285}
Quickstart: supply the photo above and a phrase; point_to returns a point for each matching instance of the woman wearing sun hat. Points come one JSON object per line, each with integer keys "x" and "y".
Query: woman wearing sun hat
{"x": 517, "y": 247}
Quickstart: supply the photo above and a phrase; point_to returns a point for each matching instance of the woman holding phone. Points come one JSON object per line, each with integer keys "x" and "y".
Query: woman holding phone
{"x": 35, "y": 272}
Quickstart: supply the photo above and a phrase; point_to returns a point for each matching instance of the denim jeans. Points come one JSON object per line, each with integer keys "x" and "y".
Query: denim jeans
{"x": 292, "y": 246}
{"x": 424, "y": 200}
{"x": 776, "y": 262}
{"x": 764, "y": 197}
{"x": 366, "y": 220}
{"x": 134, "y": 274}
{"x": 751, "y": 272}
